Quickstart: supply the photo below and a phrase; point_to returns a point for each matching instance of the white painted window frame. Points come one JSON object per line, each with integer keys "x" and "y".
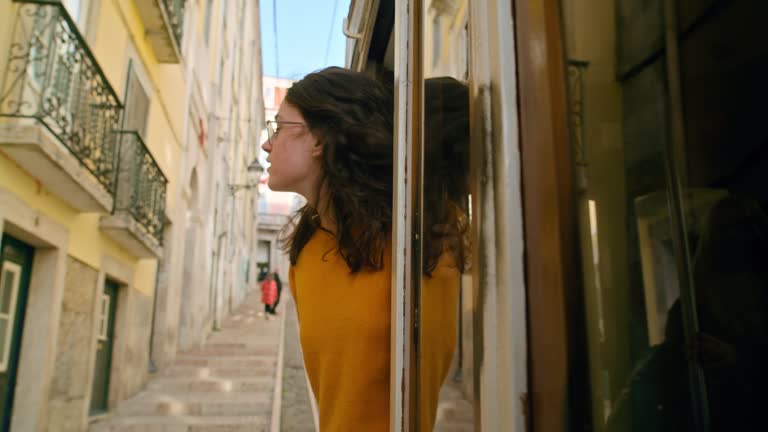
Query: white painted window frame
{"x": 501, "y": 344}
{"x": 407, "y": 85}
{"x": 104, "y": 317}
{"x": 15, "y": 270}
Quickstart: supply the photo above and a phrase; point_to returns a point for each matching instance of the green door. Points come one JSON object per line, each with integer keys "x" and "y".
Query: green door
{"x": 15, "y": 268}
{"x": 106, "y": 331}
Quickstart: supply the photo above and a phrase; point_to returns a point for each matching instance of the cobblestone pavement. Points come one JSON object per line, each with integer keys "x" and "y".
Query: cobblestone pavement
{"x": 454, "y": 412}
{"x": 296, "y": 408}
{"x": 225, "y": 386}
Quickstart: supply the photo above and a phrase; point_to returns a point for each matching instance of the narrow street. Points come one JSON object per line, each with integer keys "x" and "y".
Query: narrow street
{"x": 227, "y": 385}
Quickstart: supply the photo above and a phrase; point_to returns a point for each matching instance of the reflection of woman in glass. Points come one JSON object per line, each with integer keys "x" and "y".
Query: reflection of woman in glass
{"x": 731, "y": 285}
{"x": 446, "y": 170}
{"x": 332, "y": 144}
{"x": 731, "y": 279}
{"x": 445, "y": 222}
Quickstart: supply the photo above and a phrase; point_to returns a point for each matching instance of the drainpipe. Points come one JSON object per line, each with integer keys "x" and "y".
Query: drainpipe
{"x": 152, "y": 366}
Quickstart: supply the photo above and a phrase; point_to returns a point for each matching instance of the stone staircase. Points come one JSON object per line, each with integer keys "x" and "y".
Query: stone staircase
{"x": 225, "y": 386}
{"x": 454, "y": 411}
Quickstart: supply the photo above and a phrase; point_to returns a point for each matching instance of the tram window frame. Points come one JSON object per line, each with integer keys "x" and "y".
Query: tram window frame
{"x": 555, "y": 369}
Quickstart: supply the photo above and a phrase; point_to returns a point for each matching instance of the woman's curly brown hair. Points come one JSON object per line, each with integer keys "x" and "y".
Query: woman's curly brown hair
{"x": 352, "y": 116}
{"x": 446, "y": 173}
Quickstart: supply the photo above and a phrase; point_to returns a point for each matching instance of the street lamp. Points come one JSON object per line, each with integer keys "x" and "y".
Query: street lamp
{"x": 256, "y": 170}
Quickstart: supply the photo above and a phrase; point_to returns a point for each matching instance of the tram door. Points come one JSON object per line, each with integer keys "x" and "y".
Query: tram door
{"x": 671, "y": 159}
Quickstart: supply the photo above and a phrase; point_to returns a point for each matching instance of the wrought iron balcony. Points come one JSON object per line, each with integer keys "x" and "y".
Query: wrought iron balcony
{"x": 139, "y": 216}
{"x": 59, "y": 111}
{"x": 175, "y": 12}
{"x": 164, "y": 25}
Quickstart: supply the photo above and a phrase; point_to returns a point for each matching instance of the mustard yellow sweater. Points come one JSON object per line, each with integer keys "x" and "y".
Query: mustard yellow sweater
{"x": 344, "y": 321}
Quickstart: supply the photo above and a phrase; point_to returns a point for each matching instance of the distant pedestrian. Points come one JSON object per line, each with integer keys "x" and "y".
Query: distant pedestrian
{"x": 268, "y": 295}
{"x": 279, "y": 290}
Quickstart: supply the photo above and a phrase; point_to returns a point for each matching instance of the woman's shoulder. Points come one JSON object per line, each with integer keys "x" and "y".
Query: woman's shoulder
{"x": 320, "y": 247}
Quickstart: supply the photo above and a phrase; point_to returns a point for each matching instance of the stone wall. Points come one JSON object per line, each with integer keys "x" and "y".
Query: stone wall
{"x": 73, "y": 372}
{"x": 165, "y": 340}
{"x": 130, "y": 370}
{"x": 72, "y": 375}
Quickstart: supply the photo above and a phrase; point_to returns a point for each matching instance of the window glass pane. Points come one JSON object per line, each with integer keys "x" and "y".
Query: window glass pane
{"x": 674, "y": 258}
{"x": 445, "y": 316}
{"x": 136, "y": 104}
{"x": 8, "y": 281}
{"x": 723, "y": 57}
{"x": 633, "y": 283}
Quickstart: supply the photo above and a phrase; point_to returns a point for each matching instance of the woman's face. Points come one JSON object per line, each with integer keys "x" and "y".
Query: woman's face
{"x": 294, "y": 154}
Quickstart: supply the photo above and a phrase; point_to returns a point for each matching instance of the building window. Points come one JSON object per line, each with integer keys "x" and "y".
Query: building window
{"x": 104, "y": 317}
{"x": 10, "y": 280}
{"x": 136, "y": 103}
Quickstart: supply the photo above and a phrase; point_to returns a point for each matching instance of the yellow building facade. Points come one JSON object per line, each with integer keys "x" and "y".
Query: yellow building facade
{"x": 105, "y": 108}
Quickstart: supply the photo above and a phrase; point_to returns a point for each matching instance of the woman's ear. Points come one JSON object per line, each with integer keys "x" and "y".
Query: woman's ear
{"x": 317, "y": 149}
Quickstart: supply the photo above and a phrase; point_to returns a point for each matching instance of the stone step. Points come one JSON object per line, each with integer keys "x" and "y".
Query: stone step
{"x": 202, "y": 372}
{"x": 183, "y": 424}
{"x": 226, "y": 385}
{"x": 246, "y": 323}
{"x": 455, "y": 428}
{"x": 225, "y": 361}
{"x": 226, "y": 345}
{"x": 211, "y": 384}
{"x": 457, "y": 412}
{"x": 244, "y": 331}
{"x": 246, "y": 336}
{"x": 197, "y": 404}
{"x": 152, "y": 395}
{"x": 217, "y": 352}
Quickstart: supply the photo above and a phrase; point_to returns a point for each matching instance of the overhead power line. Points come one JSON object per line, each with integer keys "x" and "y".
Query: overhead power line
{"x": 274, "y": 19}
{"x": 330, "y": 31}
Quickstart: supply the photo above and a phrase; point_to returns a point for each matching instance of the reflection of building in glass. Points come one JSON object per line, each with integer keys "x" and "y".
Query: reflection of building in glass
{"x": 446, "y": 40}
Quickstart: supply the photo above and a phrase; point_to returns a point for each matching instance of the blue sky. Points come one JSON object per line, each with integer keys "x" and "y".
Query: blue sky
{"x": 304, "y": 28}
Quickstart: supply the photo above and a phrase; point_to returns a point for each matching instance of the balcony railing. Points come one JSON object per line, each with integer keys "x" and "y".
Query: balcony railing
{"x": 53, "y": 77}
{"x": 175, "y": 11}
{"x": 141, "y": 185}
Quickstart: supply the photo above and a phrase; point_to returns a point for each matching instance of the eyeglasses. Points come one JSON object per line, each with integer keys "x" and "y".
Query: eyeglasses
{"x": 273, "y": 128}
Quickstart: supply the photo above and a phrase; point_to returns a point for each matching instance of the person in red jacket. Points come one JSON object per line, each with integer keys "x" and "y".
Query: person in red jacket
{"x": 269, "y": 295}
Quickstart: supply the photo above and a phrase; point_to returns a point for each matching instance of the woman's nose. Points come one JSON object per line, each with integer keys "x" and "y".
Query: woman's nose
{"x": 266, "y": 146}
